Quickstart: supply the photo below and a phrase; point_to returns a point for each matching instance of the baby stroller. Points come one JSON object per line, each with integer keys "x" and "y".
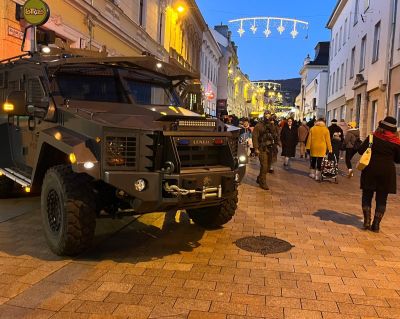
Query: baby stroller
{"x": 330, "y": 168}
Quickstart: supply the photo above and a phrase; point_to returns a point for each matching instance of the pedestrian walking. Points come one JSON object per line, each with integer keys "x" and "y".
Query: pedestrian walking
{"x": 343, "y": 125}
{"x": 264, "y": 141}
{"x": 303, "y": 132}
{"x": 351, "y": 144}
{"x": 318, "y": 143}
{"x": 274, "y": 156}
{"x": 289, "y": 140}
{"x": 311, "y": 122}
{"x": 380, "y": 177}
{"x": 337, "y": 138}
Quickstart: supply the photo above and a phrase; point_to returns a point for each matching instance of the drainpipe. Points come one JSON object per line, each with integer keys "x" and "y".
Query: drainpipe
{"x": 391, "y": 54}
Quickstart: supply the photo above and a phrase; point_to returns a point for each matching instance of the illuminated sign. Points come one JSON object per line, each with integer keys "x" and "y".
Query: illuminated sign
{"x": 15, "y": 33}
{"x": 36, "y": 12}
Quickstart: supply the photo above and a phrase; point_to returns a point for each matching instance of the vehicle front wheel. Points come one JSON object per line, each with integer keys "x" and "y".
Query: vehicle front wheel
{"x": 216, "y": 216}
{"x": 68, "y": 213}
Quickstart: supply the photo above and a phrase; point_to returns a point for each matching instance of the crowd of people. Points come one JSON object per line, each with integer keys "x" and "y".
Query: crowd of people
{"x": 317, "y": 141}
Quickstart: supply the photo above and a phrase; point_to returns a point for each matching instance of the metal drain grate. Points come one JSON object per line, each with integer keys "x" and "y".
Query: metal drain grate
{"x": 263, "y": 245}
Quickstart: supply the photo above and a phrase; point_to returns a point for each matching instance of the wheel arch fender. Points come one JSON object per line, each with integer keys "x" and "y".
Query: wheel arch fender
{"x": 55, "y": 146}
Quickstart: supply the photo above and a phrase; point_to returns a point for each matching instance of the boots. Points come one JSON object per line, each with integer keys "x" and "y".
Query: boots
{"x": 318, "y": 176}
{"x": 367, "y": 217}
{"x": 312, "y": 173}
{"x": 377, "y": 220}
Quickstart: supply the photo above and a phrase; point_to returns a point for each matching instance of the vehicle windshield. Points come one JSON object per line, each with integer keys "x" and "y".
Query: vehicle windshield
{"x": 103, "y": 84}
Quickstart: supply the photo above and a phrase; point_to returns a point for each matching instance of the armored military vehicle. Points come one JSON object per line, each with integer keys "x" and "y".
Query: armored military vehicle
{"x": 107, "y": 136}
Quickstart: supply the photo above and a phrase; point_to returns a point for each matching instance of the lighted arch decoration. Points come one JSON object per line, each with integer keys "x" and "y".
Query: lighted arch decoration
{"x": 268, "y": 24}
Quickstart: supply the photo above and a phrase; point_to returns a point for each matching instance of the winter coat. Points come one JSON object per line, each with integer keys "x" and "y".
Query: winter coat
{"x": 303, "y": 133}
{"x": 339, "y": 132}
{"x": 319, "y": 140}
{"x": 380, "y": 174}
{"x": 289, "y": 140}
{"x": 351, "y": 137}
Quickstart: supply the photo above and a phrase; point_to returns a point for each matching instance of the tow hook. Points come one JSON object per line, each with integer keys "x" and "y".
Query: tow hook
{"x": 207, "y": 192}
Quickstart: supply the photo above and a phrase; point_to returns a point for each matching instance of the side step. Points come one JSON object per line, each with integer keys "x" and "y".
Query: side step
{"x": 16, "y": 177}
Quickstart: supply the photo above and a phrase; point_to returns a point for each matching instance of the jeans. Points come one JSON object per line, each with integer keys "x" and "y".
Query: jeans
{"x": 316, "y": 162}
{"x": 380, "y": 198}
{"x": 350, "y": 152}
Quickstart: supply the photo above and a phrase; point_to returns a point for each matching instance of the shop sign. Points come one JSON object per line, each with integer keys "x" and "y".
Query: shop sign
{"x": 15, "y": 33}
{"x": 36, "y": 12}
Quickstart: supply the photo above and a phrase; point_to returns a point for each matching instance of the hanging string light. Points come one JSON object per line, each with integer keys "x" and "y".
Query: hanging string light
{"x": 283, "y": 24}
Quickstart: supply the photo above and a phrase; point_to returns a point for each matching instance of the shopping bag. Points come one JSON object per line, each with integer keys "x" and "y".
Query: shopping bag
{"x": 366, "y": 157}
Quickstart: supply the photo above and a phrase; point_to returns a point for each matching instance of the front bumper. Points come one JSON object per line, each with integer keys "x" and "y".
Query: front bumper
{"x": 155, "y": 197}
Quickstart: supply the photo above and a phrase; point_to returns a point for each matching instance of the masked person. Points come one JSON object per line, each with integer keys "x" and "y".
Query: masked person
{"x": 265, "y": 141}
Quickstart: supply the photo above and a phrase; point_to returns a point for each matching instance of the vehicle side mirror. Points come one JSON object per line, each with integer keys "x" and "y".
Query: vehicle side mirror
{"x": 15, "y": 104}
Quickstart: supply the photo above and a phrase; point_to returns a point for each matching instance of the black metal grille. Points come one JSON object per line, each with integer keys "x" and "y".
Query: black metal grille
{"x": 197, "y": 156}
{"x": 234, "y": 145}
{"x": 121, "y": 151}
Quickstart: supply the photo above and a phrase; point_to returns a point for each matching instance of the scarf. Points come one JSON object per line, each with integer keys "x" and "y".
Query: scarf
{"x": 388, "y": 136}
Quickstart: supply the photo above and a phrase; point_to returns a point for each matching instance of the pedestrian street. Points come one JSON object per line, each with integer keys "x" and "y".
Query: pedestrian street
{"x": 156, "y": 266}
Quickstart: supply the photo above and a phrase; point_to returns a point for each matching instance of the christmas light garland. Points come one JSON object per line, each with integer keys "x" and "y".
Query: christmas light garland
{"x": 270, "y": 22}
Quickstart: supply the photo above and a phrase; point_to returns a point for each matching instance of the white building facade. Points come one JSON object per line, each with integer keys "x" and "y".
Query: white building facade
{"x": 314, "y": 84}
{"x": 209, "y": 71}
{"x": 359, "y": 74}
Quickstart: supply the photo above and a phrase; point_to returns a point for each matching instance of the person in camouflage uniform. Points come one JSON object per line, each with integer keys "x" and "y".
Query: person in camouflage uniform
{"x": 265, "y": 140}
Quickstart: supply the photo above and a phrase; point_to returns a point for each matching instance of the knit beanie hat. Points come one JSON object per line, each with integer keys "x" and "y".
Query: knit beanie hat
{"x": 389, "y": 124}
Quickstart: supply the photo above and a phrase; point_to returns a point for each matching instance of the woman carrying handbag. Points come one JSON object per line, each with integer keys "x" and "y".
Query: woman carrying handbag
{"x": 379, "y": 175}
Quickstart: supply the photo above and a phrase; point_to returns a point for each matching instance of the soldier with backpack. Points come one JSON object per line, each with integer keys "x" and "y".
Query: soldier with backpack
{"x": 352, "y": 143}
{"x": 265, "y": 140}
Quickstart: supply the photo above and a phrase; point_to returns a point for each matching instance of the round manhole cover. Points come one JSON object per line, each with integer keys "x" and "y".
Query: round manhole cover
{"x": 263, "y": 245}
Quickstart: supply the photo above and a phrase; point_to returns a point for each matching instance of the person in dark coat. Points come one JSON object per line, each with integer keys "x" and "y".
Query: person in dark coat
{"x": 289, "y": 140}
{"x": 380, "y": 176}
{"x": 337, "y": 138}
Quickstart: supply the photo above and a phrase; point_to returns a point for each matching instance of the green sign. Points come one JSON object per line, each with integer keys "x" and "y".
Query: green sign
{"x": 36, "y": 12}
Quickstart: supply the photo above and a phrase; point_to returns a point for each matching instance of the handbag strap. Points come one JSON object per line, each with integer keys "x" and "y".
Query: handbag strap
{"x": 371, "y": 140}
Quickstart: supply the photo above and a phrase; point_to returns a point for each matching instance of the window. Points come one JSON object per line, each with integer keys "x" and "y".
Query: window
{"x": 341, "y": 75}
{"x": 377, "y": 35}
{"x": 160, "y": 26}
{"x": 345, "y": 32}
{"x": 334, "y": 114}
{"x": 330, "y": 85}
{"x": 397, "y": 108}
{"x": 332, "y": 48}
{"x": 328, "y": 117}
{"x": 362, "y": 53}
{"x": 336, "y": 43}
{"x": 337, "y": 79}
{"x": 340, "y": 37}
{"x": 366, "y": 5}
{"x": 374, "y": 113}
{"x": 141, "y": 13}
{"x": 34, "y": 92}
{"x": 345, "y": 72}
{"x": 352, "y": 62}
{"x": 358, "y": 109}
{"x": 356, "y": 11}
{"x": 333, "y": 83}
{"x": 342, "y": 112}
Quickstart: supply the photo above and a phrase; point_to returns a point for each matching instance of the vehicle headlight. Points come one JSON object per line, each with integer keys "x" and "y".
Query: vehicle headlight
{"x": 140, "y": 185}
{"x": 242, "y": 159}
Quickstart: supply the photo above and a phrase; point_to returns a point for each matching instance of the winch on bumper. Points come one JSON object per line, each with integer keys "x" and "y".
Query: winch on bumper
{"x": 160, "y": 192}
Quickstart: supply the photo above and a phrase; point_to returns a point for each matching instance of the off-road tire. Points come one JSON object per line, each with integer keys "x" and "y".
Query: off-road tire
{"x": 7, "y": 187}
{"x": 69, "y": 227}
{"x": 216, "y": 216}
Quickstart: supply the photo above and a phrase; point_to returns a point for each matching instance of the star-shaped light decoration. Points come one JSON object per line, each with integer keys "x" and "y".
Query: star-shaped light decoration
{"x": 267, "y": 32}
{"x": 241, "y": 31}
{"x": 294, "y": 33}
{"x": 253, "y": 28}
{"x": 269, "y": 86}
{"x": 281, "y": 29}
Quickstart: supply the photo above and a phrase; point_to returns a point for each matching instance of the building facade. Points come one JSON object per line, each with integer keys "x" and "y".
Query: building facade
{"x": 209, "y": 68}
{"x": 314, "y": 83}
{"x": 362, "y": 48}
{"x": 124, "y": 27}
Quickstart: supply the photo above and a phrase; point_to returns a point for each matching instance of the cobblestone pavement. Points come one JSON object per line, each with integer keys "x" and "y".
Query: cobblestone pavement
{"x": 154, "y": 267}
